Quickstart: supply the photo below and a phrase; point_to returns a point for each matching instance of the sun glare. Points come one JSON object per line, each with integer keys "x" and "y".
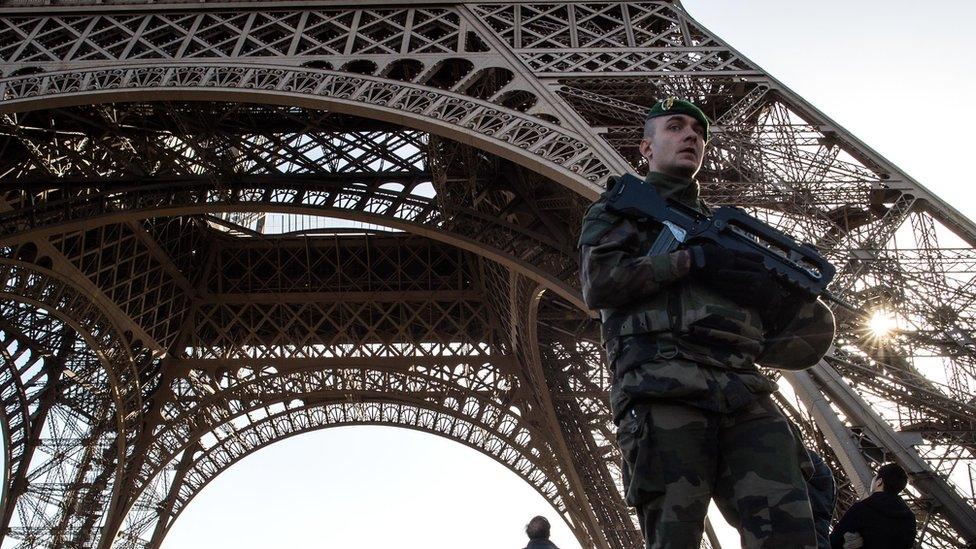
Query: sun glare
{"x": 882, "y": 323}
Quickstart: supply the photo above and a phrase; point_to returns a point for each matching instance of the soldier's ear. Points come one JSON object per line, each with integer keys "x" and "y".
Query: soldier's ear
{"x": 645, "y": 148}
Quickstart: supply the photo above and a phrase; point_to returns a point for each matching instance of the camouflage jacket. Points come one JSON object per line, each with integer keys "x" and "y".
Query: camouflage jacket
{"x": 667, "y": 336}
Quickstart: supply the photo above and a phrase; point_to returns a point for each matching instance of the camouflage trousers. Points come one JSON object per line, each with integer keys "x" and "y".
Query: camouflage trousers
{"x": 678, "y": 457}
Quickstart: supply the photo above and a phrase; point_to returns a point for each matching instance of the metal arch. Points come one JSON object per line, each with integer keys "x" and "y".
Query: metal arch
{"x": 580, "y": 470}
{"x": 192, "y": 422}
{"x": 203, "y": 478}
{"x": 43, "y": 289}
{"x": 29, "y": 374}
{"x": 277, "y": 307}
{"x": 514, "y": 453}
{"x": 155, "y": 196}
{"x": 546, "y": 148}
{"x": 46, "y": 289}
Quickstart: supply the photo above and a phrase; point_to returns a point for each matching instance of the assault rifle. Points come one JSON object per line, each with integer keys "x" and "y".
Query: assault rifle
{"x": 798, "y": 265}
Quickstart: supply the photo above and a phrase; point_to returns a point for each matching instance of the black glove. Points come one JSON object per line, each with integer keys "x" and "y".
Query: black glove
{"x": 740, "y": 276}
{"x": 783, "y": 309}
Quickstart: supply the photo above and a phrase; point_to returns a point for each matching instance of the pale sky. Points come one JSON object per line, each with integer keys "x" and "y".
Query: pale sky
{"x": 895, "y": 74}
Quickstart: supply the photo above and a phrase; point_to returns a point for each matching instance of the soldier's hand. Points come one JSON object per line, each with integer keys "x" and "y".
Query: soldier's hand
{"x": 853, "y": 540}
{"x": 740, "y": 276}
{"x": 708, "y": 258}
{"x": 782, "y": 308}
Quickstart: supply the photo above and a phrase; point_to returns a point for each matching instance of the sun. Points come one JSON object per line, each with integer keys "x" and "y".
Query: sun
{"x": 882, "y": 324}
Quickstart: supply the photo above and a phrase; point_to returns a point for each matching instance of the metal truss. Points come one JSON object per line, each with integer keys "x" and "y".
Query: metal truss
{"x": 223, "y": 224}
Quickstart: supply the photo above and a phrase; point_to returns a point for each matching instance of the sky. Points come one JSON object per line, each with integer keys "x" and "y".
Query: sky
{"x": 896, "y": 75}
{"x": 893, "y": 73}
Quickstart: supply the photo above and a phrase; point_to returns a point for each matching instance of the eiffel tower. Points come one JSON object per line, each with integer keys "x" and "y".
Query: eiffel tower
{"x": 226, "y": 223}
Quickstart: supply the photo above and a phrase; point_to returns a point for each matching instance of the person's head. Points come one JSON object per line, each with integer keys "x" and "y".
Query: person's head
{"x": 537, "y": 528}
{"x": 675, "y": 133}
{"x": 891, "y": 478}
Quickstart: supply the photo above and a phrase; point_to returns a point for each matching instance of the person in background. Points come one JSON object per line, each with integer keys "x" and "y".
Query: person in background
{"x": 538, "y": 531}
{"x": 880, "y": 521}
{"x": 823, "y": 495}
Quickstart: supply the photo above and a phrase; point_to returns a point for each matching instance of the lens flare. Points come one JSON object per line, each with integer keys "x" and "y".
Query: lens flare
{"x": 882, "y": 324}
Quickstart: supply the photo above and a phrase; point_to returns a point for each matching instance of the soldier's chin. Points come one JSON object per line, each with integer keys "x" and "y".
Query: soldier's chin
{"x": 686, "y": 168}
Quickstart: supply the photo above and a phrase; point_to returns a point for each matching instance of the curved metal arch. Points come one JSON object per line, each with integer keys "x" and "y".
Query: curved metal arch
{"x": 207, "y": 465}
{"x": 16, "y": 417}
{"x": 8, "y": 456}
{"x": 45, "y": 289}
{"x": 411, "y": 214}
{"x": 114, "y": 376}
{"x": 584, "y": 466}
{"x": 189, "y": 424}
{"x": 489, "y": 427}
{"x": 111, "y": 387}
{"x": 20, "y": 395}
{"x": 553, "y": 151}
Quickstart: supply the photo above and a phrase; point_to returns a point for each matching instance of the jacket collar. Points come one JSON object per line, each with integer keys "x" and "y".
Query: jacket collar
{"x": 676, "y": 188}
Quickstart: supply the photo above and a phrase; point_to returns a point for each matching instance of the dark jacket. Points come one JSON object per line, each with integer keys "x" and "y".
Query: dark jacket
{"x": 882, "y": 519}
{"x": 823, "y": 494}
{"x": 540, "y": 544}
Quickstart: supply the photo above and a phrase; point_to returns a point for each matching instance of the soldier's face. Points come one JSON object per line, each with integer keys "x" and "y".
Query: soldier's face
{"x": 676, "y": 146}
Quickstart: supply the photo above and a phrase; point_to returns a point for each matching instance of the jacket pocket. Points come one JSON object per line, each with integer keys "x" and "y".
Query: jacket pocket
{"x": 641, "y": 464}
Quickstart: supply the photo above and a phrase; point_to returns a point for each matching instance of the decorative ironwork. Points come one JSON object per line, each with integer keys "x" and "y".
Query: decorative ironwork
{"x": 226, "y": 224}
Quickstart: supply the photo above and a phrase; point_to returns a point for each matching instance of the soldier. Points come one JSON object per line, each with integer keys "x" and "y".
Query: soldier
{"x": 683, "y": 332}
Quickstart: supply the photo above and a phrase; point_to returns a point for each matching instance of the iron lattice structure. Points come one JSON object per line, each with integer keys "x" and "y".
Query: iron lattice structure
{"x": 223, "y": 224}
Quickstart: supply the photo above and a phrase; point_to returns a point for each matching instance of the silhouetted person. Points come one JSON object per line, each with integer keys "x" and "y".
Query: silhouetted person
{"x": 538, "y": 531}
{"x": 882, "y": 520}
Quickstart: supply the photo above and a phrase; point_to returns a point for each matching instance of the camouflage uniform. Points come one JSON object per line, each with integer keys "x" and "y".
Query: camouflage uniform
{"x": 693, "y": 412}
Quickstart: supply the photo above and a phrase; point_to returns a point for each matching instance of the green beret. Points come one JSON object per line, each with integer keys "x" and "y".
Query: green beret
{"x": 673, "y": 105}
